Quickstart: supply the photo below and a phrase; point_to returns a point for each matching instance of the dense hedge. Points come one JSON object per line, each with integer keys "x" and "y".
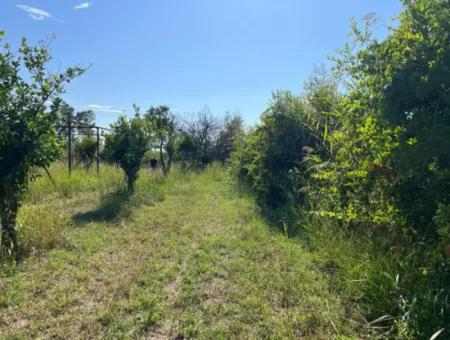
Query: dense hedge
{"x": 372, "y": 163}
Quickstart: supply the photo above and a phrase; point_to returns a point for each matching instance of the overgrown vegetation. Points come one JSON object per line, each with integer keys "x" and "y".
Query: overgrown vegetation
{"x": 355, "y": 172}
{"x": 272, "y": 157}
{"x": 365, "y": 174}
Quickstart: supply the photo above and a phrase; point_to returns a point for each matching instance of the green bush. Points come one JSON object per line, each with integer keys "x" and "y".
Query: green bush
{"x": 29, "y": 101}
{"x": 372, "y": 185}
{"x": 127, "y": 145}
{"x": 188, "y": 151}
{"x": 387, "y": 184}
{"x": 272, "y": 157}
{"x": 392, "y": 160}
{"x": 85, "y": 151}
{"x": 273, "y": 154}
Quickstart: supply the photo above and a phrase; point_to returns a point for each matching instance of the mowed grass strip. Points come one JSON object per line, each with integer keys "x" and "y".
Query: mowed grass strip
{"x": 183, "y": 257}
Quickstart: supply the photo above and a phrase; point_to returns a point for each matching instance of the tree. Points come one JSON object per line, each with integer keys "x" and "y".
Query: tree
{"x": 127, "y": 145}
{"x": 197, "y": 139}
{"x": 85, "y": 150}
{"x": 188, "y": 151}
{"x": 87, "y": 118}
{"x": 163, "y": 126}
{"x": 28, "y": 113}
{"x": 203, "y": 129}
{"x": 66, "y": 114}
{"x": 232, "y": 128}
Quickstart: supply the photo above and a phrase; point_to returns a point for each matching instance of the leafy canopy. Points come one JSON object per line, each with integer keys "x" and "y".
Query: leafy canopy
{"x": 29, "y": 101}
{"x": 162, "y": 124}
{"x": 28, "y": 110}
{"x": 127, "y": 145}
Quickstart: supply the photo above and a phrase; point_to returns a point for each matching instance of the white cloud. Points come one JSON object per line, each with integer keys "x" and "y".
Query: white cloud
{"x": 103, "y": 108}
{"x": 83, "y": 5}
{"x": 35, "y": 13}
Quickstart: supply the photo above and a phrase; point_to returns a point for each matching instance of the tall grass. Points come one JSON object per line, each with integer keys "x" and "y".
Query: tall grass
{"x": 63, "y": 185}
{"x": 399, "y": 291}
{"x": 41, "y": 229}
{"x": 52, "y": 203}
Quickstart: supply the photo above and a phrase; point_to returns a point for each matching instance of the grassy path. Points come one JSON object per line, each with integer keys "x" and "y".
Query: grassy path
{"x": 187, "y": 258}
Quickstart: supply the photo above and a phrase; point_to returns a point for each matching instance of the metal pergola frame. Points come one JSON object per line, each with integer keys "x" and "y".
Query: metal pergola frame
{"x": 69, "y": 127}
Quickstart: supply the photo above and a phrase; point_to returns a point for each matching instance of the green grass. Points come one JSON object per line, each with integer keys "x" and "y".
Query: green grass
{"x": 185, "y": 256}
{"x": 400, "y": 291}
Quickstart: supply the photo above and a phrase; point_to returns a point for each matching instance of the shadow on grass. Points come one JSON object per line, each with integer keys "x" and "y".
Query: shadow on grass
{"x": 113, "y": 205}
{"x": 279, "y": 216}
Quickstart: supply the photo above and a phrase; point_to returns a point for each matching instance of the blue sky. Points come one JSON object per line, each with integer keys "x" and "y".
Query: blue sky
{"x": 228, "y": 55}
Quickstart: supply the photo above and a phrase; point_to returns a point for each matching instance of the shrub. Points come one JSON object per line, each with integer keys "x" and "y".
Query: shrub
{"x": 27, "y": 130}
{"x": 272, "y": 157}
{"x": 127, "y": 145}
{"x": 188, "y": 151}
{"x": 389, "y": 174}
{"x": 393, "y": 148}
{"x": 373, "y": 181}
{"x": 85, "y": 151}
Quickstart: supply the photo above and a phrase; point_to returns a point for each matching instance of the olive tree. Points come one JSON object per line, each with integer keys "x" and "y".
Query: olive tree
{"x": 28, "y": 114}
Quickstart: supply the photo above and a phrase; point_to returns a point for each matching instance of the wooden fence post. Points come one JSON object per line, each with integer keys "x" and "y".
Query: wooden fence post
{"x": 69, "y": 151}
{"x": 98, "y": 151}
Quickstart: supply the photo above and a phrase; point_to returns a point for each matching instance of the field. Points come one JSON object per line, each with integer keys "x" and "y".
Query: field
{"x": 186, "y": 256}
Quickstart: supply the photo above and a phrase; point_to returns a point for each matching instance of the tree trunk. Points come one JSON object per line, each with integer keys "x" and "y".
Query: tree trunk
{"x": 9, "y": 206}
{"x": 169, "y": 163}
{"x": 161, "y": 159}
{"x": 130, "y": 182}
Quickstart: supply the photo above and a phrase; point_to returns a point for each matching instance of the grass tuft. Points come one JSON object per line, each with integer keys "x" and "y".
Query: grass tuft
{"x": 40, "y": 230}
